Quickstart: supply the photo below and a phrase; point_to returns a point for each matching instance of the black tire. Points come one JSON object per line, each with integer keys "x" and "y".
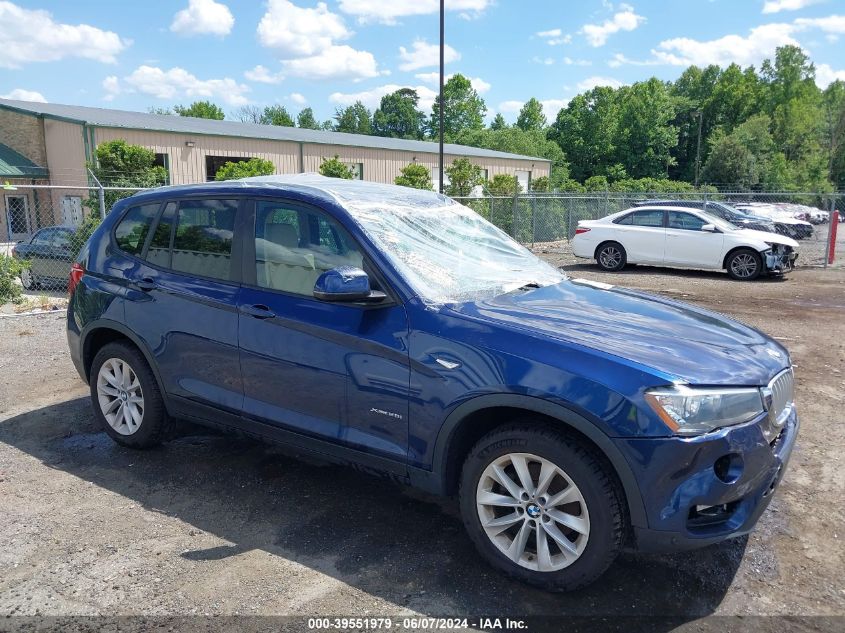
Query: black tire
{"x": 744, "y": 264}
{"x": 154, "y": 422}
{"x": 28, "y": 280}
{"x": 611, "y": 256}
{"x": 597, "y": 486}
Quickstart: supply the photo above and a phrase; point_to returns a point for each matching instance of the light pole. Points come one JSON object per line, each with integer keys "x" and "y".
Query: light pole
{"x": 440, "y": 97}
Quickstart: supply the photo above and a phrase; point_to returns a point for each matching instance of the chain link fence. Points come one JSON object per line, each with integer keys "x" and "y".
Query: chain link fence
{"x": 41, "y": 224}
{"x": 550, "y": 220}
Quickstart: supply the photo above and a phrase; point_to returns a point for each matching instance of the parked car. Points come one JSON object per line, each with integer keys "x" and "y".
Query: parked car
{"x": 49, "y": 255}
{"x": 788, "y": 224}
{"x": 720, "y": 210}
{"x": 398, "y": 331}
{"x": 684, "y": 238}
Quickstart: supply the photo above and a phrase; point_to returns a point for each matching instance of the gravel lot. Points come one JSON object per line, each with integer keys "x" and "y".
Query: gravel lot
{"x": 208, "y": 524}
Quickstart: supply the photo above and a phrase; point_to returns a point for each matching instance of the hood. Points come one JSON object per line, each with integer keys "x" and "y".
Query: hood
{"x": 691, "y": 345}
{"x": 772, "y": 238}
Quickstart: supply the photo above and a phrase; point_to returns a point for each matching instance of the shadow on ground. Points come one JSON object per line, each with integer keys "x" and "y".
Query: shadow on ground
{"x": 573, "y": 270}
{"x": 400, "y": 545}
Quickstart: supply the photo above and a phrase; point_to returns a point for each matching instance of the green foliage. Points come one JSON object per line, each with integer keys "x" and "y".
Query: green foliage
{"x": 333, "y": 168}
{"x": 531, "y": 116}
{"x": 10, "y": 272}
{"x": 398, "y": 116}
{"x": 83, "y": 232}
{"x": 355, "y": 119}
{"x": 463, "y": 177}
{"x": 201, "y": 110}
{"x": 245, "y": 169}
{"x": 463, "y": 108}
{"x": 120, "y": 164}
{"x": 416, "y": 176}
{"x": 276, "y": 115}
{"x": 306, "y": 120}
{"x": 596, "y": 183}
{"x": 540, "y": 184}
{"x": 498, "y": 122}
{"x": 504, "y": 185}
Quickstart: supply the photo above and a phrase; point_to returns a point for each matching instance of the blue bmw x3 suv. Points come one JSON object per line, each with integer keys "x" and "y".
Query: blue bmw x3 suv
{"x": 397, "y": 331}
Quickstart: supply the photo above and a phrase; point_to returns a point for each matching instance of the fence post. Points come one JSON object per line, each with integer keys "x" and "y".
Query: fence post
{"x": 515, "y": 207}
{"x": 101, "y": 195}
{"x": 830, "y": 229}
{"x": 533, "y": 220}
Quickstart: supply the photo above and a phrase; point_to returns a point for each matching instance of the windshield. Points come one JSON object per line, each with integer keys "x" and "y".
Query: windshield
{"x": 448, "y": 253}
{"x": 724, "y": 225}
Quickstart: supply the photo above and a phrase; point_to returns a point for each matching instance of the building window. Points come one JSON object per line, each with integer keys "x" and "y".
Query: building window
{"x": 214, "y": 163}
{"x": 357, "y": 171}
{"x": 163, "y": 160}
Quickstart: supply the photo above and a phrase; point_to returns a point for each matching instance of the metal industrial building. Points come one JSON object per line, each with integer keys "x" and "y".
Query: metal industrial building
{"x": 47, "y": 143}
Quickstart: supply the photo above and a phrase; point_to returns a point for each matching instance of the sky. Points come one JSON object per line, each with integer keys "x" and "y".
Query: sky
{"x": 299, "y": 53}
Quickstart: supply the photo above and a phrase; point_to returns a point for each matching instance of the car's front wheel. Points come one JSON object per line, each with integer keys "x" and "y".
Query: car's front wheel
{"x": 541, "y": 507}
{"x": 126, "y": 398}
{"x": 28, "y": 280}
{"x": 611, "y": 256}
{"x": 745, "y": 265}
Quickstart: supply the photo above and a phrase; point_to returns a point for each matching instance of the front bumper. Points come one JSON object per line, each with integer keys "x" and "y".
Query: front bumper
{"x": 780, "y": 261}
{"x": 677, "y": 476}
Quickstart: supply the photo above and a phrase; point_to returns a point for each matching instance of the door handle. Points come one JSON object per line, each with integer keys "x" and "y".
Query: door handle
{"x": 257, "y": 311}
{"x": 146, "y": 284}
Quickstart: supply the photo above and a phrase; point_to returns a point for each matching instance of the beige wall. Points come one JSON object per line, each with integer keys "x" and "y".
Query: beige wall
{"x": 66, "y": 161}
{"x": 24, "y": 134}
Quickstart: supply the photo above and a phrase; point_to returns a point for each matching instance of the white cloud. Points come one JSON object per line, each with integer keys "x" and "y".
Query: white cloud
{"x": 759, "y": 44}
{"x": 33, "y": 36}
{"x": 621, "y": 60}
{"x": 543, "y": 61}
{"x": 335, "y": 62}
{"x": 776, "y": 6}
{"x": 423, "y": 54}
{"x": 550, "y": 33}
{"x": 19, "y": 94}
{"x": 592, "y": 82}
{"x": 203, "y": 17}
{"x": 825, "y": 75}
{"x": 300, "y": 32}
{"x": 433, "y": 79}
{"x": 111, "y": 85}
{"x": 297, "y": 98}
{"x": 554, "y": 37}
{"x": 387, "y": 11}
{"x": 577, "y": 62}
{"x": 263, "y": 75}
{"x": 624, "y": 20}
{"x": 179, "y": 83}
{"x": 834, "y": 24}
{"x": 372, "y": 98}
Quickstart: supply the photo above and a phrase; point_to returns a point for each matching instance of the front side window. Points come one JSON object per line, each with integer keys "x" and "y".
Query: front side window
{"x": 294, "y": 246}
{"x": 42, "y": 238}
{"x": 685, "y": 221}
{"x": 131, "y": 232}
{"x": 202, "y": 239}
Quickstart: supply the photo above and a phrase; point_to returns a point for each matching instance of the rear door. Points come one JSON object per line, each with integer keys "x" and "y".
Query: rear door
{"x": 643, "y": 235}
{"x": 688, "y": 245}
{"x": 334, "y": 371}
{"x": 182, "y": 297}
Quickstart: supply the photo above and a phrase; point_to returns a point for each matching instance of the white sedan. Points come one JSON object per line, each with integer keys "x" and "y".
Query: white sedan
{"x": 684, "y": 238}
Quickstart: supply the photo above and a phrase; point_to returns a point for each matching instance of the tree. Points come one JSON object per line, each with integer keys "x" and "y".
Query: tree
{"x": 540, "y": 184}
{"x": 645, "y": 131}
{"x": 416, "y": 176}
{"x": 277, "y": 115}
{"x": 531, "y": 116}
{"x": 834, "y": 130}
{"x": 157, "y": 110}
{"x": 333, "y": 168}
{"x": 201, "y": 110}
{"x": 245, "y": 169}
{"x": 498, "y": 122}
{"x": 504, "y": 185}
{"x": 247, "y": 114}
{"x": 354, "y": 119}
{"x": 306, "y": 120}
{"x": 398, "y": 115}
{"x": 463, "y": 177}
{"x": 463, "y": 108}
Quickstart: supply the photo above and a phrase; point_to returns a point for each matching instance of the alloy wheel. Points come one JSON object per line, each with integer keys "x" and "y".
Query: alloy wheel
{"x": 744, "y": 265}
{"x": 533, "y": 512}
{"x": 610, "y": 257}
{"x": 27, "y": 280}
{"x": 120, "y": 396}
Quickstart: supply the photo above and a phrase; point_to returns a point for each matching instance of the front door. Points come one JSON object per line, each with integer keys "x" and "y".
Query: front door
{"x": 17, "y": 218}
{"x": 688, "y": 245}
{"x": 334, "y": 371}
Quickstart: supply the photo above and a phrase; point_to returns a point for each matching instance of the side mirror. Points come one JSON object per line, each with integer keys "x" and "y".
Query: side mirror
{"x": 710, "y": 228}
{"x": 346, "y": 283}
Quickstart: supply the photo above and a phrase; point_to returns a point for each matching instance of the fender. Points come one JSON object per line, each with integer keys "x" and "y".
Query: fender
{"x": 434, "y": 479}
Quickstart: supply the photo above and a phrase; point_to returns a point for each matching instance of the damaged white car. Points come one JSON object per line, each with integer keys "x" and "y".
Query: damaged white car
{"x": 683, "y": 238}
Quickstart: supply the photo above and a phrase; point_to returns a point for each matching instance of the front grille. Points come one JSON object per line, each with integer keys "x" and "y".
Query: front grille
{"x": 782, "y": 389}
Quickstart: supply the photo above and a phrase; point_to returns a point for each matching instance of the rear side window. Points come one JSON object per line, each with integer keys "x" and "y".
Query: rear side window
{"x": 202, "y": 241}
{"x": 131, "y": 232}
{"x": 652, "y": 218}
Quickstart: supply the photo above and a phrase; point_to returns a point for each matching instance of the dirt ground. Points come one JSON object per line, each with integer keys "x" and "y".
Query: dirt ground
{"x": 208, "y": 524}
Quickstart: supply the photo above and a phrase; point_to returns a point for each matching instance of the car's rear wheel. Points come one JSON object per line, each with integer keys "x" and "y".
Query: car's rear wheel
{"x": 28, "y": 280}
{"x": 611, "y": 256}
{"x": 745, "y": 265}
{"x": 541, "y": 507}
{"x": 126, "y": 398}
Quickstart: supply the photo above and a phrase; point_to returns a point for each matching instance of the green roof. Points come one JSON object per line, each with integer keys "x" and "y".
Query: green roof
{"x": 15, "y": 165}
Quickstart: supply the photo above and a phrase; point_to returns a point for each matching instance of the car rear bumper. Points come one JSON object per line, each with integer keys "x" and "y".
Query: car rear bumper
{"x": 687, "y": 504}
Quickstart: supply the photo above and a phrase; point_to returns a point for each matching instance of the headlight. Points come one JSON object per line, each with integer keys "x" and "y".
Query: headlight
{"x": 691, "y": 411}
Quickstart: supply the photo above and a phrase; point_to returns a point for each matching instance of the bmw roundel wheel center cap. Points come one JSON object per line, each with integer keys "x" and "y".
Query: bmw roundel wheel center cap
{"x": 533, "y": 510}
